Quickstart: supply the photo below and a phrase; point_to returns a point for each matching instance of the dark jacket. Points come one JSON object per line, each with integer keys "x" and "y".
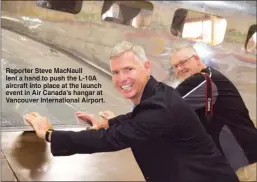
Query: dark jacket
{"x": 230, "y": 127}
{"x": 167, "y": 139}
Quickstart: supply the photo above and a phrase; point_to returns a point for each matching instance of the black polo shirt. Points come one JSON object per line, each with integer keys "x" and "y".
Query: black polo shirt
{"x": 231, "y": 127}
{"x": 167, "y": 139}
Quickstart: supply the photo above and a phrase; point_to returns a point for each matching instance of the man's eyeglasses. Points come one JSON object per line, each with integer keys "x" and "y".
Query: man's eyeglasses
{"x": 181, "y": 63}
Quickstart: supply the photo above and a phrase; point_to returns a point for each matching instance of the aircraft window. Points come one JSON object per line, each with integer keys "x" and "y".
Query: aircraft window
{"x": 69, "y": 6}
{"x": 250, "y": 45}
{"x": 132, "y": 13}
{"x": 198, "y": 26}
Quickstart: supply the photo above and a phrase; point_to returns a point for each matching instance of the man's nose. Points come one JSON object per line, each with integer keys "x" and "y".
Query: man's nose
{"x": 122, "y": 77}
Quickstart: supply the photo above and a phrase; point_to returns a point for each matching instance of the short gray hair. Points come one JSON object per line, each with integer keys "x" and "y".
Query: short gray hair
{"x": 189, "y": 48}
{"x": 125, "y": 46}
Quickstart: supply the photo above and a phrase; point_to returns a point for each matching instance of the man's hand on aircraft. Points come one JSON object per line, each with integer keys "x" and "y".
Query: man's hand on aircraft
{"x": 39, "y": 123}
{"x": 106, "y": 115}
{"x": 96, "y": 124}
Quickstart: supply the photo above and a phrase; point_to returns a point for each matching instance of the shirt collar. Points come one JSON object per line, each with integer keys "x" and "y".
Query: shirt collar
{"x": 149, "y": 88}
{"x": 207, "y": 70}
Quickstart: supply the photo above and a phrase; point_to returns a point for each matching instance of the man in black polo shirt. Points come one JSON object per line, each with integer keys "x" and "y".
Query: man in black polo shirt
{"x": 167, "y": 139}
{"x": 227, "y": 119}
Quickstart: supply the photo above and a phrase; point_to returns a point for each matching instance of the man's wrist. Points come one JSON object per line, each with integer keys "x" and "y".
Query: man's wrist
{"x": 104, "y": 124}
{"x": 48, "y": 135}
{"x": 111, "y": 122}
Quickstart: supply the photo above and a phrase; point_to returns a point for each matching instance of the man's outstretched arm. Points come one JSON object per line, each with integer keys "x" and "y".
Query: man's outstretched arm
{"x": 145, "y": 126}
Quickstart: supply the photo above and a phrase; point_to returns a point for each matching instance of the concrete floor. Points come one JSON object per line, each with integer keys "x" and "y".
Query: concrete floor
{"x": 27, "y": 158}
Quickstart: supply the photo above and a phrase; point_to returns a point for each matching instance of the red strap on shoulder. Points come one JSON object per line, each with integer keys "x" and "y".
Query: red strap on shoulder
{"x": 208, "y": 95}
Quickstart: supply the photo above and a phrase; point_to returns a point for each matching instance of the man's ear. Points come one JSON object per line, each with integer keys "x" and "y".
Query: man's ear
{"x": 197, "y": 58}
{"x": 147, "y": 66}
